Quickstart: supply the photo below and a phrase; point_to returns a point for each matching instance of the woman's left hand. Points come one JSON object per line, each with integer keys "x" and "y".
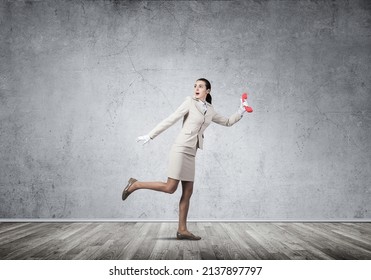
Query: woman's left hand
{"x": 244, "y": 105}
{"x": 241, "y": 109}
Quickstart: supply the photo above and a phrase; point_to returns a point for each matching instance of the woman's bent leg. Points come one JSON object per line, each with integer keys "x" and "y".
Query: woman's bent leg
{"x": 169, "y": 187}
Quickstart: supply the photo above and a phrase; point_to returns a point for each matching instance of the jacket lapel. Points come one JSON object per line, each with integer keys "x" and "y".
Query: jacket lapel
{"x": 195, "y": 101}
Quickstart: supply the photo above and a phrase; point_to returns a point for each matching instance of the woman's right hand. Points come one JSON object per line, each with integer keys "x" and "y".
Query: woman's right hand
{"x": 144, "y": 138}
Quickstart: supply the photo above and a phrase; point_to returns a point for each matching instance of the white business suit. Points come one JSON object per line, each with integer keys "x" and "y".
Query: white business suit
{"x": 195, "y": 121}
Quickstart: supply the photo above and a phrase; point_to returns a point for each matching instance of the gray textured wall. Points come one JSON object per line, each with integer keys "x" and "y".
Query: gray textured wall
{"x": 80, "y": 80}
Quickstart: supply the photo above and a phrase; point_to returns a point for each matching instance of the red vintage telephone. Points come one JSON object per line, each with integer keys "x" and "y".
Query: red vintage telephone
{"x": 247, "y": 108}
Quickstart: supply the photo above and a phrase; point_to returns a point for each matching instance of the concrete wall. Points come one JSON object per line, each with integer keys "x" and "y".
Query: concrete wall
{"x": 80, "y": 80}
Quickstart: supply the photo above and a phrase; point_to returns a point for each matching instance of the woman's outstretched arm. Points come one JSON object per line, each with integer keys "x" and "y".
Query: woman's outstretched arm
{"x": 173, "y": 118}
{"x": 219, "y": 119}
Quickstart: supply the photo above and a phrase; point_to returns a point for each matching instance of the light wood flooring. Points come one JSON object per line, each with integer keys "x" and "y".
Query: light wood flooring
{"x": 144, "y": 240}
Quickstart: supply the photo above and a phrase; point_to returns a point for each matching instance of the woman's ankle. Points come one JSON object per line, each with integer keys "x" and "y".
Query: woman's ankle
{"x": 182, "y": 230}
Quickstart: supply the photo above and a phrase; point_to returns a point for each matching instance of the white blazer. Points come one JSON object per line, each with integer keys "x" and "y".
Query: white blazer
{"x": 194, "y": 123}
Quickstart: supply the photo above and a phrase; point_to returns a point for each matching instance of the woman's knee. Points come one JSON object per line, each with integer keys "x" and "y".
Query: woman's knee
{"x": 171, "y": 186}
{"x": 171, "y": 189}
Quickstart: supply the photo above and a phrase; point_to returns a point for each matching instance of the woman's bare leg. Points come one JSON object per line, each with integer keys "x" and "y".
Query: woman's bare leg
{"x": 169, "y": 187}
{"x": 187, "y": 187}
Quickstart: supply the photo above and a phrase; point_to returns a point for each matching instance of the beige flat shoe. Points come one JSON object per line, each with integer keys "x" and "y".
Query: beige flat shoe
{"x": 126, "y": 192}
{"x": 191, "y": 236}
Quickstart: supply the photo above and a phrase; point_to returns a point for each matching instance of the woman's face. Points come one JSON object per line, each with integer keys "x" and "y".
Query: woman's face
{"x": 200, "y": 91}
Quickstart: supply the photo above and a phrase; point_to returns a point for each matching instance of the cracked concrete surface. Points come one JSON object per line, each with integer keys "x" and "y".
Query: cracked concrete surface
{"x": 80, "y": 80}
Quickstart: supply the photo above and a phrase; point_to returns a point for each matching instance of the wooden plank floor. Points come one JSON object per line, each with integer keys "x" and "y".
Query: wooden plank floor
{"x": 260, "y": 241}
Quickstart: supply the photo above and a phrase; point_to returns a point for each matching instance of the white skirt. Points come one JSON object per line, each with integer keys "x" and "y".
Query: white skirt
{"x": 182, "y": 164}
